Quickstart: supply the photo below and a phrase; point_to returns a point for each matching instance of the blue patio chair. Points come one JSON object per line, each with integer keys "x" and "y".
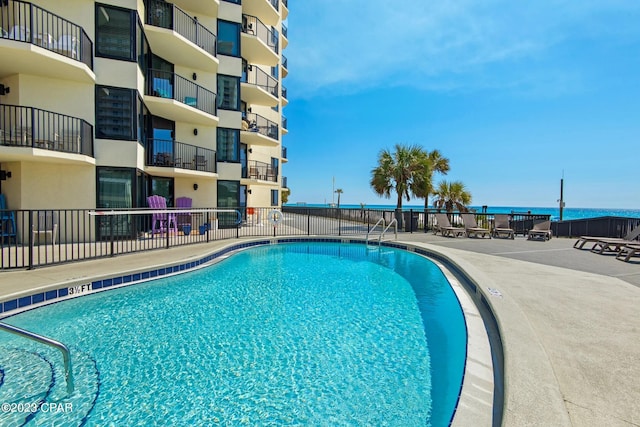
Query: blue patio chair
{"x": 7, "y": 220}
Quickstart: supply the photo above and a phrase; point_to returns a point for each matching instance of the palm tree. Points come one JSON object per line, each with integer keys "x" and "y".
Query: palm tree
{"x": 450, "y": 195}
{"x": 434, "y": 162}
{"x": 397, "y": 171}
{"x": 339, "y": 192}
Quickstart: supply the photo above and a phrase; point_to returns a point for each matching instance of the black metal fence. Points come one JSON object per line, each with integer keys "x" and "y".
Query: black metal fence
{"x": 32, "y": 127}
{"x": 165, "y": 84}
{"x": 167, "y": 15}
{"x": 32, "y": 238}
{"x": 26, "y": 22}
{"x": 173, "y": 154}
{"x": 258, "y": 77}
{"x": 255, "y": 27}
{"x": 261, "y": 125}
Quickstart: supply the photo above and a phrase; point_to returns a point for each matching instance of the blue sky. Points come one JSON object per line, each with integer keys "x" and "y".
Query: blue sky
{"x": 514, "y": 94}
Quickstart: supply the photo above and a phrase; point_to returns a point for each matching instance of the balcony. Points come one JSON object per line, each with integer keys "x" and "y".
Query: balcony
{"x": 172, "y": 156}
{"x": 260, "y": 171}
{"x": 178, "y": 37}
{"x": 285, "y": 9}
{"x": 285, "y": 66}
{"x": 285, "y": 37}
{"x": 284, "y": 182}
{"x": 284, "y": 125}
{"x": 28, "y": 127}
{"x": 284, "y": 154}
{"x": 258, "y": 87}
{"x": 267, "y": 10}
{"x": 258, "y": 130}
{"x": 172, "y": 96}
{"x": 259, "y": 43}
{"x": 42, "y": 43}
{"x": 285, "y": 99}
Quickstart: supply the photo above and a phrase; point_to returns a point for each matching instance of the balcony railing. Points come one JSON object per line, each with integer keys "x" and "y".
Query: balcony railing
{"x": 261, "y": 125}
{"x": 285, "y": 3}
{"x": 252, "y": 25}
{"x": 285, "y": 62}
{"x": 275, "y": 4}
{"x": 36, "y": 128}
{"x": 284, "y": 182}
{"x": 262, "y": 171}
{"x": 26, "y": 22}
{"x": 285, "y": 30}
{"x": 173, "y": 154}
{"x": 171, "y": 17}
{"x": 284, "y": 92}
{"x": 284, "y": 123}
{"x": 258, "y": 77}
{"x": 165, "y": 84}
{"x": 284, "y": 152}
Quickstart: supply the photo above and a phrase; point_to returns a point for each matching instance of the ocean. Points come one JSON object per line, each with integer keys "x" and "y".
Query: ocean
{"x": 568, "y": 213}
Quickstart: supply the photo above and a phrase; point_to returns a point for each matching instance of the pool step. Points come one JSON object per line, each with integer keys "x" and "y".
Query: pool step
{"x": 65, "y": 410}
{"x": 27, "y": 381}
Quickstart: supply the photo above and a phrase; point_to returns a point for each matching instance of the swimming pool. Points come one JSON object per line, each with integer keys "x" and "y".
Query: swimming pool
{"x": 294, "y": 334}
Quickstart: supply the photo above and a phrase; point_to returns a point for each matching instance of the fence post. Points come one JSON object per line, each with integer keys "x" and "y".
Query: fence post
{"x": 30, "y": 230}
{"x": 308, "y": 222}
{"x": 111, "y": 233}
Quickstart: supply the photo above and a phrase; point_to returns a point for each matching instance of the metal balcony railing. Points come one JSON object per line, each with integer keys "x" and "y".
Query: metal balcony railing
{"x": 284, "y": 182}
{"x": 284, "y": 92}
{"x": 261, "y": 125}
{"x": 284, "y": 123}
{"x": 26, "y": 22}
{"x": 171, "y": 17}
{"x": 252, "y": 25}
{"x": 165, "y": 84}
{"x": 36, "y": 128}
{"x": 285, "y": 3}
{"x": 173, "y": 154}
{"x": 275, "y": 4}
{"x": 262, "y": 171}
{"x": 258, "y": 77}
{"x": 285, "y": 30}
{"x": 285, "y": 62}
{"x": 284, "y": 152}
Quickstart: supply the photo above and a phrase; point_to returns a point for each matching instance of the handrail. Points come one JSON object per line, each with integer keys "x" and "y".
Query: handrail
{"x": 66, "y": 355}
{"x": 381, "y": 220}
{"x": 394, "y": 221}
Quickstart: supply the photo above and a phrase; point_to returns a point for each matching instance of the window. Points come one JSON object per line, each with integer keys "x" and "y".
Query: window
{"x": 274, "y": 197}
{"x": 114, "y": 32}
{"x": 228, "y": 38}
{"x": 228, "y": 197}
{"x": 275, "y": 71}
{"x": 162, "y": 187}
{"x": 228, "y": 146}
{"x": 143, "y": 50}
{"x": 233, "y": 1}
{"x": 228, "y": 92}
{"x": 115, "y": 113}
{"x": 115, "y": 190}
{"x": 275, "y": 163}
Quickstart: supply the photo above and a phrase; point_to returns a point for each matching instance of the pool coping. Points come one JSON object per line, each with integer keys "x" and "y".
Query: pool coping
{"x": 475, "y": 398}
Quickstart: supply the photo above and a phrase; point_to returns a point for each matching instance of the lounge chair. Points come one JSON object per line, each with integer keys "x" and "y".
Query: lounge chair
{"x": 501, "y": 226}
{"x": 541, "y": 230}
{"x": 631, "y": 235}
{"x": 628, "y": 250}
{"x": 471, "y": 226}
{"x": 444, "y": 227}
{"x": 612, "y": 244}
{"x": 161, "y": 222}
{"x": 45, "y": 223}
{"x": 184, "y": 203}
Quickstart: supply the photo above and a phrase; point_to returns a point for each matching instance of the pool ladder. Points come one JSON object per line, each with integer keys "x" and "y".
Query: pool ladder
{"x": 393, "y": 222}
{"x": 66, "y": 355}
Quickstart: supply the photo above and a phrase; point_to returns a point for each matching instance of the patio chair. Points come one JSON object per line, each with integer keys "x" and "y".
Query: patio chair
{"x": 45, "y": 224}
{"x": 7, "y": 221}
{"x": 184, "y": 203}
{"x": 161, "y": 222}
{"x": 471, "y": 226}
{"x": 20, "y": 33}
{"x": 68, "y": 46}
{"x": 631, "y": 235}
{"x": 627, "y": 251}
{"x": 605, "y": 244}
{"x": 501, "y": 226}
{"x": 445, "y": 228}
{"x": 541, "y": 230}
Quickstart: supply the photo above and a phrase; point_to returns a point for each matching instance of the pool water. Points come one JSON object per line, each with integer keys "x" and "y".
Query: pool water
{"x": 292, "y": 334}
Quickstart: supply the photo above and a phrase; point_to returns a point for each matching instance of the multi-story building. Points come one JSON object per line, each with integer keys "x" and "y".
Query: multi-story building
{"x": 104, "y": 103}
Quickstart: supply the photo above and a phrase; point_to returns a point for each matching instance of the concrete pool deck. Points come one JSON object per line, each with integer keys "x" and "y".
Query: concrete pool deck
{"x": 569, "y": 319}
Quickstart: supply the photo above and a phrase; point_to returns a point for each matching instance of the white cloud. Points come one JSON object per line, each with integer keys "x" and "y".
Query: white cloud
{"x": 349, "y": 45}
